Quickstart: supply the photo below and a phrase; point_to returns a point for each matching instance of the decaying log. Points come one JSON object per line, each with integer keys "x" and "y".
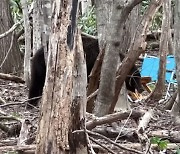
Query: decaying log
{"x": 17, "y": 148}
{"x": 113, "y": 117}
{"x": 11, "y": 78}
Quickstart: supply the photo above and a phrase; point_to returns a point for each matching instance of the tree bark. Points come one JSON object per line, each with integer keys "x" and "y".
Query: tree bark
{"x": 103, "y": 15}
{"x": 78, "y": 141}
{"x": 10, "y": 58}
{"x": 37, "y": 23}
{"x": 58, "y": 112}
{"x": 27, "y": 32}
{"x": 157, "y": 94}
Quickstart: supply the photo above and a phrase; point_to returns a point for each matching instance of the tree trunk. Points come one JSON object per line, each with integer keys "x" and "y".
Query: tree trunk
{"x": 60, "y": 113}
{"x": 46, "y": 25}
{"x": 160, "y": 85}
{"x": 176, "y": 106}
{"x": 103, "y": 15}
{"x": 27, "y": 33}
{"x": 170, "y": 41}
{"x": 85, "y": 4}
{"x": 10, "y": 58}
{"x": 37, "y": 23}
{"x": 78, "y": 141}
{"x": 120, "y": 13}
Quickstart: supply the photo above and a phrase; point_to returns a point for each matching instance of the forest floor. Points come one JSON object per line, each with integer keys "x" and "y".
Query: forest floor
{"x": 15, "y": 94}
{"x": 162, "y": 125}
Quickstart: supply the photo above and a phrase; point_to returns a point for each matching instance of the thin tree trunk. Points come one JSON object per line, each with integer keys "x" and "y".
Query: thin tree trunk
{"x": 103, "y": 15}
{"x": 37, "y": 23}
{"x": 170, "y": 41}
{"x": 159, "y": 89}
{"x": 46, "y": 25}
{"x": 176, "y": 106}
{"x": 27, "y": 32}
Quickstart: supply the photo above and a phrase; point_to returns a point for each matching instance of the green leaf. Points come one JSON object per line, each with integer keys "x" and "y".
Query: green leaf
{"x": 163, "y": 144}
{"x": 155, "y": 140}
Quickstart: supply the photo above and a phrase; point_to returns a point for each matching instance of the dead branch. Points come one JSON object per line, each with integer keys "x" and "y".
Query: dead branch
{"x": 92, "y": 95}
{"x": 20, "y": 103}
{"x": 129, "y": 134}
{"x": 113, "y": 117}
{"x": 11, "y": 29}
{"x": 11, "y": 78}
{"x": 24, "y": 132}
{"x": 9, "y": 118}
{"x": 17, "y": 148}
{"x": 170, "y": 102}
{"x": 143, "y": 123}
{"x": 8, "y": 142}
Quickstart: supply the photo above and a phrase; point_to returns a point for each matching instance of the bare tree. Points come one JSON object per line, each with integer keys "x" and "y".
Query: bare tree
{"x": 59, "y": 113}
{"x": 10, "y": 58}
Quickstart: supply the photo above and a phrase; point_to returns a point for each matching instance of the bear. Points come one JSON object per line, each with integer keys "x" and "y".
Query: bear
{"x": 38, "y": 74}
{"x": 91, "y": 50}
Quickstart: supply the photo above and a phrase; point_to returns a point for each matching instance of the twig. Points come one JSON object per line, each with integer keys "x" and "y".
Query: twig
{"x": 123, "y": 126}
{"x": 16, "y": 24}
{"x": 92, "y": 95}
{"x": 12, "y": 40}
{"x": 20, "y": 103}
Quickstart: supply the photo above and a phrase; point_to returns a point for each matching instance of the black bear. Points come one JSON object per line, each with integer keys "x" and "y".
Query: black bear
{"x": 91, "y": 49}
{"x": 38, "y": 74}
{"x": 133, "y": 79}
